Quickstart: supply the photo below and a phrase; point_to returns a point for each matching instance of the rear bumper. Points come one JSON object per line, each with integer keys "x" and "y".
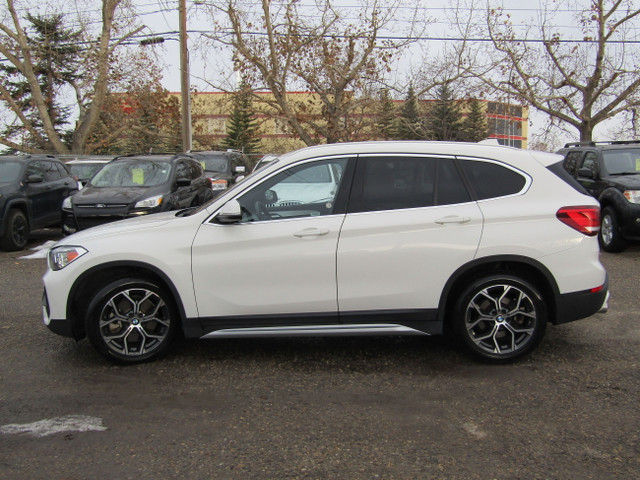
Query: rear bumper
{"x": 577, "y": 305}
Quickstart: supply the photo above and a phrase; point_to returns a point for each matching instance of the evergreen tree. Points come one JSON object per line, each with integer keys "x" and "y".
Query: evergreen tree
{"x": 385, "y": 126}
{"x": 474, "y": 126}
{"x": 444, "y": 119}
{"x": 55, "y": 56}
{"x": 242, "y": 128}
{"x": 410, "y": 125}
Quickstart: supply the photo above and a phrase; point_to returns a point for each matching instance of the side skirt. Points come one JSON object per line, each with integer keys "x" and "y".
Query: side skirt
{"x": 315, "y": 331}
{"x": 402, "y": 322}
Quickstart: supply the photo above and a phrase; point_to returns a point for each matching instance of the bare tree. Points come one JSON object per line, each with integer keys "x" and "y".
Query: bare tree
{"x": 283, "y": 48}
{"x": 88, "y": 90}
{"x": 579, "y": 81}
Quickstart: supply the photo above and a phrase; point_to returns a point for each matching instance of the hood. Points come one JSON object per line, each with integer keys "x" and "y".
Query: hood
{"x": 145, "y": 222}
{"x": 626, "y": 182}
{"x": 108, "y": 195}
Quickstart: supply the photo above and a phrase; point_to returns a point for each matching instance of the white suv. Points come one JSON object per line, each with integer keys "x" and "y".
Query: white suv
{"x": 488, "y": 243}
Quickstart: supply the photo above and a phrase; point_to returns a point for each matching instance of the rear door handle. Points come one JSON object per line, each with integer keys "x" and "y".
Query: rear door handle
{"x": 453, "y": 219}
{"x": 311, "y": 232}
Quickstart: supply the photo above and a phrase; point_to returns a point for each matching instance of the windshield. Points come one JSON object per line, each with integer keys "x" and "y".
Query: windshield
{"x": 132, "y": 174}
{"x": 622, "y": 161}
{"x": 85, "y": 170}
{"x": 9, "y": 171}
{"x": 217, "y": 164}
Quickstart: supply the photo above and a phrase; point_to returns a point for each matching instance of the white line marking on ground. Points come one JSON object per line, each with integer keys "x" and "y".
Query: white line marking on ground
{"x": 42, "y": 428}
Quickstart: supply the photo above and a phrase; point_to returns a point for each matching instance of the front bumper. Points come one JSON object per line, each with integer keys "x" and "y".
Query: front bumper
{"x": 60, "y": 327}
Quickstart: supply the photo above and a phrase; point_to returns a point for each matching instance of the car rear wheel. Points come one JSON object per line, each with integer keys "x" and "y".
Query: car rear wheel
{"x": 16, "y": 233}
{"x": 500, "y": 318}
{"x": 609, "y": 236}
{"x": 132, "y": 320}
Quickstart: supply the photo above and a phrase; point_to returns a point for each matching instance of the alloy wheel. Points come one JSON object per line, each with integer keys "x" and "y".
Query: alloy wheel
{"x": 501, "y": 319}
{"x": 134, "y": 322}
{"x": 606, "y": 229}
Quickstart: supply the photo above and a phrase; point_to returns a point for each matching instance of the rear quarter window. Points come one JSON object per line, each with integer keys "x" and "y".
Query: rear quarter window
{"x": 490, "y": 180}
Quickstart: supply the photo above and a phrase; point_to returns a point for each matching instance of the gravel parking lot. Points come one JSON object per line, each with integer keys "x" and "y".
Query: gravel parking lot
{"x": 332, "y": 408}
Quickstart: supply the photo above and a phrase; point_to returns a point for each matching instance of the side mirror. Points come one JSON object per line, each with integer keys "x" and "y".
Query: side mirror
{"x": 34, "y": 179}
{"x": 586, "y": 172}
{"x": 183, "y": 182}
{"x": 231, "y": 212}
{"x": 270, "y": 197}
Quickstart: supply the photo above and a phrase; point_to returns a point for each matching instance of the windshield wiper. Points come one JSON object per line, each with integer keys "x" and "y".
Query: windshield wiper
{"x": 625, "y": 173}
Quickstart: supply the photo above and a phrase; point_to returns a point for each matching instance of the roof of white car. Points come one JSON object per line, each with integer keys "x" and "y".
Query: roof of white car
{"x": 509, "y": 155}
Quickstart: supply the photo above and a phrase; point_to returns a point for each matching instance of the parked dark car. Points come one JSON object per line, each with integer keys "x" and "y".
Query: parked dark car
{"x": 222, "y": 168}
{"x": 32, "y": 189}
{"x": 137, "y": 185}
{"x": 610, "y": 171}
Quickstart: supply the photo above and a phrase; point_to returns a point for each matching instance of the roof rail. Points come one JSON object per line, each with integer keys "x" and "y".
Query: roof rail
{"x": 605, "y": 142}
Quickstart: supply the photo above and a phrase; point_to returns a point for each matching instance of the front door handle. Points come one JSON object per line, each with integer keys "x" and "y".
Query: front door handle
{"x": 453, "y": 219}
{"x": 311, "y": 232}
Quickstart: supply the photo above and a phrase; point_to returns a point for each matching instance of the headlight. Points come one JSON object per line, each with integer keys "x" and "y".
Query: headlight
{"x": 60, "y": 257}
{"x": 66, "y": 203}
{"x": 151, "y": 202}
{"x": 632, "y": 195}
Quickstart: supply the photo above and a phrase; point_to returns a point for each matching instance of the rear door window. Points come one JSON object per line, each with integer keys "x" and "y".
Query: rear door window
{"x": 399, "y": 182}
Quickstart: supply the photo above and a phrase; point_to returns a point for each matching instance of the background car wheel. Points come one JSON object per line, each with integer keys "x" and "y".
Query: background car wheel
{"x": 17, "y": 232}
{"x": 500, "y": 318}
{"x": 609, "y": 236}
{"x": 132, "y": 320}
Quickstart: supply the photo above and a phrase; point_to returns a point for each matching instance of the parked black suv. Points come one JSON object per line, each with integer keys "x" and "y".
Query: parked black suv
{"x": 610, "y": 171}
{"x": 32, "y": 188}
{"x": 136, "y": 185}
{"x": 222, "y": 168}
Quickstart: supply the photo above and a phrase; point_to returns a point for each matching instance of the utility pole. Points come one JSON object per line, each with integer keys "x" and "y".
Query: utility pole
{"x": 185, "y": 91}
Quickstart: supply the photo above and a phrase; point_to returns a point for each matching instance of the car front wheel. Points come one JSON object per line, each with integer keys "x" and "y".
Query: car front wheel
{"x": 609, "y": 236}
{"x": 16, "y": 233}
{"x": 132, "y": 320}
{"x": 500, "y": 318}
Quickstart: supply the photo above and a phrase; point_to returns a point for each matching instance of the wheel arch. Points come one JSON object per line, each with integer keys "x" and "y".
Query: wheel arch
{"x": 611, "y": 197}
{"x": 524, "y": 267}
{"x": 80, "y": 295}
{"x": 20, "y": 204}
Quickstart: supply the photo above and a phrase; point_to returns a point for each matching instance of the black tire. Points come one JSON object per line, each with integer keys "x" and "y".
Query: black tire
{"x": 609, "y": 236}
{"x": 132, "y": 320}
{"x": 500, "y": 318}
{"x": 16, "y": 233}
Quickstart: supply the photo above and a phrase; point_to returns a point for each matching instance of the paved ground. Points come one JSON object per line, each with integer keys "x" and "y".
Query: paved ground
{"x": 405, "y": 408}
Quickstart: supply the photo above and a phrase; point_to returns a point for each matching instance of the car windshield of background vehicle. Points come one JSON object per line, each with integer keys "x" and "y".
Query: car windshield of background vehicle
{"x": 9, "y": 171}
{"x": 215, "y": 164}
{"x": 132, "y": 174}
{"x": 85, "y": 170}
{"x": 622, "y": 162}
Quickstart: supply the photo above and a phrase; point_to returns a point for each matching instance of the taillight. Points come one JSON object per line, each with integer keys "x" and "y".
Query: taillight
{"x": 586, "y": 220}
